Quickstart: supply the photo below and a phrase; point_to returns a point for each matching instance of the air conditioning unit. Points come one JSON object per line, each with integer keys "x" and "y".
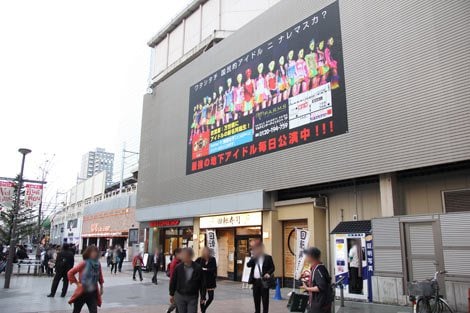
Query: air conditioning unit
{"x": 320, "y": 202}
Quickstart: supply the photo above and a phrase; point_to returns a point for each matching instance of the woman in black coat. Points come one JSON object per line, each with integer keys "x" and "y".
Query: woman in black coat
{"x": 209, "y": 268}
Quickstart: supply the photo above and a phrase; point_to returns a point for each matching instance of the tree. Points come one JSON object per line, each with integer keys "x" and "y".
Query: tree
{"x": 26, "y": 223}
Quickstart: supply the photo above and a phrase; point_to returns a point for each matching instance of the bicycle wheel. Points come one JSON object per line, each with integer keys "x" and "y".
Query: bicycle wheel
{"x": 442, "y": 306}
{"x": 423, "y": 306}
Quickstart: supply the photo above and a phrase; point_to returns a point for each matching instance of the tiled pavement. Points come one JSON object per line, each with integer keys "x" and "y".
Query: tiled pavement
{"x": 122, "y": 295}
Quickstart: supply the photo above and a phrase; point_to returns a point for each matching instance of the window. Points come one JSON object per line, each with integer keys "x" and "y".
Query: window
{"x": 456, "y": 200}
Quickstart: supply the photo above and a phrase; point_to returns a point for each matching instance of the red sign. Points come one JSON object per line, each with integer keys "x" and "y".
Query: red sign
{"x": 164, "y": 223}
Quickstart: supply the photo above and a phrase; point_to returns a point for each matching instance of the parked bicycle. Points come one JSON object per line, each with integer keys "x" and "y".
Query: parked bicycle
{"x": 426, "y": 296}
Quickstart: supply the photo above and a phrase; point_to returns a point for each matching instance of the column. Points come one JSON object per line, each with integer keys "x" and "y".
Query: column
{"x": 388, "y": 194}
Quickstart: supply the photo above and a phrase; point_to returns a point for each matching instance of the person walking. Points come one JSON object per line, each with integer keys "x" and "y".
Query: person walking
{"x": 209, "y": 274}
{"x": 319, "y": 287}
{"x": 64, "y": 262}
{"x": 262, "y": 267}
{"x": 49, "y": 261}
{"x": 171, "y": 269}
{"x": 114, "y": 261}
{"x": 122, "y": 256}
{"x": 156, "y": 265}
{"x": 90, "y": 276}
{"x": 137, "y": 263}
{"x": 109, "y": 256}
{"x": 186, "y": 284}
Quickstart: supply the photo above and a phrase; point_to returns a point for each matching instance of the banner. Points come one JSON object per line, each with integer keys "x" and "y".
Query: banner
{"x": 7, "y": 189}
{"x": 33, "y": 195}
{"x": 212, "y": 244}
{"x": 303, "y": 237}
{"x": 286, "y": 92}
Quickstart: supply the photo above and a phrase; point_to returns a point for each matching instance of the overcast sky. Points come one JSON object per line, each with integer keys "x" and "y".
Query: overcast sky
{"x": 72, "y": 76}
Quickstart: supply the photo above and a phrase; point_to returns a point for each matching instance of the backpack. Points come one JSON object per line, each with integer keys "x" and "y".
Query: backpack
{"x": 331, "y": 291}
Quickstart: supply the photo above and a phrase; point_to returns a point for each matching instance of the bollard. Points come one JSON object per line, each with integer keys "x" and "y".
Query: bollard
{"x": 277, "y": 294}
{"x": 341, "y": 294}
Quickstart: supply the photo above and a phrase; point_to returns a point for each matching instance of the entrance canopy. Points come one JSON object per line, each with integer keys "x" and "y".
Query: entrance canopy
{"x": 353, "y": 227}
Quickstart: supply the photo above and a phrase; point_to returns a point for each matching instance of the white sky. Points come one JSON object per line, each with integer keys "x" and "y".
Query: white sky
{"x": 72, "y": 75}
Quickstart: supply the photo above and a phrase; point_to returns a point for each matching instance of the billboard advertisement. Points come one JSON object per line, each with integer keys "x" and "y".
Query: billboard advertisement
{"x": 286, "y": 92}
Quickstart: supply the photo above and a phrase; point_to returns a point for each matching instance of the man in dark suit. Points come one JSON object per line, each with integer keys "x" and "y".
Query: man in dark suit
{"x": 262, "y": 267}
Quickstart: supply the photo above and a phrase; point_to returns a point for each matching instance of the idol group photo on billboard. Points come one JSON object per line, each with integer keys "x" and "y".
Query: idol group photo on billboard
{"x": 258, "y": 88}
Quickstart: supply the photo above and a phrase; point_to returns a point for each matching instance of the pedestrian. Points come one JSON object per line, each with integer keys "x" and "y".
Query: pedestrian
{"x": 21, "y": 253}
{"x": 319, "y": 285}
{"x": 262, "y": 267}
{"x": 156, "y": 265}
{"x": 64, "y": 262}
{"x": 89, "y": 276}
{"x": 171, "y": 269}
{"x": 114, "y": 261}
{"x": 122, "y": 256}
{"x": 209, "y": 274}
{"x": 137, "y": 263}
{"x": 354, "y": 269}
{"x": 49, "y": 261}
{"x": 186, "y": 283}
{"x": 109, "y": 256}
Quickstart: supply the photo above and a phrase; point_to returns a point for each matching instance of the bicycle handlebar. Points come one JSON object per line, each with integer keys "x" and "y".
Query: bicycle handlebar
{"x": 439, "y": 273}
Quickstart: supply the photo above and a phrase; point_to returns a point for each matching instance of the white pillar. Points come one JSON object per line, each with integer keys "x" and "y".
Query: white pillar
{"x": 388, "y": 195}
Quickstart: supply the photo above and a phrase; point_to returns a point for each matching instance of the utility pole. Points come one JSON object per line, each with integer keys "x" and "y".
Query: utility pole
{"x": 124, "y": 151}
{"x": 11, "y": 254}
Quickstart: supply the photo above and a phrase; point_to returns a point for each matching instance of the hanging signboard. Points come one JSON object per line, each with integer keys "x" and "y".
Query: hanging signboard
{"x": 286, "y": 92}
{"x": 212, "y": 243}
{"x": 7, "y": 189}
{"x": 33, "y": 195}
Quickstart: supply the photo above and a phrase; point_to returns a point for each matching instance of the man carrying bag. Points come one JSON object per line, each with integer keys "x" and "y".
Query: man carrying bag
{"x": 261, "y": 276}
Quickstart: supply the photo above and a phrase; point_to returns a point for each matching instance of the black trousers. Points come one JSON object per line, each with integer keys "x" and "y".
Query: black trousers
{"x": 355, "y": 285}
{"x": 91, "y": 300}
{"x": 120, "y": 264}
{"x": 114, "y": 267}
{"x": 56, "y": 280}
{"x": 139, "y": 269}
{"x": 155, "y": 273}
{"x": 260, "y": 294}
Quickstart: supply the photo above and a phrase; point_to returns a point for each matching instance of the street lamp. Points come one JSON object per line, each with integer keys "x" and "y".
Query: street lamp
{"x": 11, "y": 253}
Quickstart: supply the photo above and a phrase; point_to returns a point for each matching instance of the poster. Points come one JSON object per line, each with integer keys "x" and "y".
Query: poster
{"x": 212, "y": 244}
{"x": 302, "y": 239}
{"x": 33, "y": 195}
{"x": 286, "y": 92}
{"x": 7, "y": 188}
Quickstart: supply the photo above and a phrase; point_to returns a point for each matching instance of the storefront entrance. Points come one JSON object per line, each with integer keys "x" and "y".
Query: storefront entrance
{"x": 242, "y": 251}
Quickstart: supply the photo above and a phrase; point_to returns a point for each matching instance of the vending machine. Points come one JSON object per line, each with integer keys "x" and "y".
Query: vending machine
{"x": 354, "y": 258}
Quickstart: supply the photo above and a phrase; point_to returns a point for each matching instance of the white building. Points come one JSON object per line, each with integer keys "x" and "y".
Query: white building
{"x": 66, "y": 224}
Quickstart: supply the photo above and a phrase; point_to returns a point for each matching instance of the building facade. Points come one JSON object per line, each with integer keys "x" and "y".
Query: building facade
{"x": 94, "y": 162}
{"x": 66, "y": 223}
{"x": 306, "y": 117}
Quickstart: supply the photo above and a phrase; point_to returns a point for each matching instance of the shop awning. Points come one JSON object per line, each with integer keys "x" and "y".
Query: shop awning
{"x": 353, "y": 227}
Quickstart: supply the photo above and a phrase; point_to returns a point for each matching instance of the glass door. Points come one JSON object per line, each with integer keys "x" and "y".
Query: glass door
{"x": 242, "y": 251}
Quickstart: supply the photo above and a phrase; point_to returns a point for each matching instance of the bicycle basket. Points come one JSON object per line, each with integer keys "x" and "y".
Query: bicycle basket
{"x": 425, "y": 288}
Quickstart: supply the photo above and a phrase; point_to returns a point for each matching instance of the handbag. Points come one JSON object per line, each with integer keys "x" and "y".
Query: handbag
{"x": 297, "y": 302}
{"x": 268, "y": 283}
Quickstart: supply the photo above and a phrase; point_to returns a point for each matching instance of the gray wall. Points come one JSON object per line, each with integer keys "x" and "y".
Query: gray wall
{"x": 408, "y": 97}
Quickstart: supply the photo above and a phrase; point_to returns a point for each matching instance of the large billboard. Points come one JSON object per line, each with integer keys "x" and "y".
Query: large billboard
{"x": 286, "y": 92}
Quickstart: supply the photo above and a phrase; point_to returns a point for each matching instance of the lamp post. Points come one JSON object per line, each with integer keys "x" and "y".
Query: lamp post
{"x": 11, "y": 254}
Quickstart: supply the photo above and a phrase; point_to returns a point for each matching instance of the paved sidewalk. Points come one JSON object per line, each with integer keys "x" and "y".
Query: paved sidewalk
{"x": 123, "y": 295}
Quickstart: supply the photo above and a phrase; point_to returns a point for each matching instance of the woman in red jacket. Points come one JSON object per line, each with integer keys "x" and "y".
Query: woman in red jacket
{"x": 89, "y": 276}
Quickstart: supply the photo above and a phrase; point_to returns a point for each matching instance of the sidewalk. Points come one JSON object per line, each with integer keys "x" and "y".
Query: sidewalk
{"x": 123, "y": 295}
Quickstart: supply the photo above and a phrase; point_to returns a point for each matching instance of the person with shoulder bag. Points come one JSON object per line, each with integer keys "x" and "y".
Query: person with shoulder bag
{"x": 90, "y": 282}
{"x": 319, "y": 288}
{"x": 261, "y": 276}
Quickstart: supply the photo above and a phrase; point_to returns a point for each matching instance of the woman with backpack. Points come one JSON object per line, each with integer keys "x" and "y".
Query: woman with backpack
{"x": 319, "y": 284}
{"x": 90, "y": 281}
